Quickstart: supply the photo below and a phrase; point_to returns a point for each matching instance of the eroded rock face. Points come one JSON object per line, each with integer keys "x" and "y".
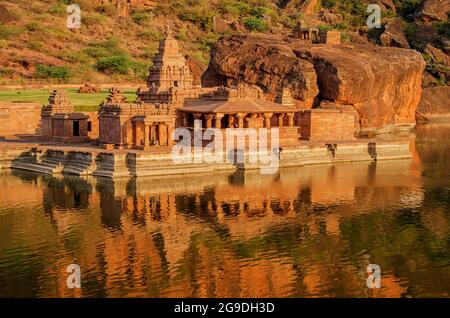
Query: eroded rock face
{"x": 435, "y": 102}
{"x": 433, "y": 10}
{"x": 263, "y": 61}
{"x": 394, "y": 35}
{"x": 438, "y": 55}
{"x": 383, "y": 84}
{"x": 197, "y": 68}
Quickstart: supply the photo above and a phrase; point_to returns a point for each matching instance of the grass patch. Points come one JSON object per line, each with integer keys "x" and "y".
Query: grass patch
{"x": 82, "y": 102}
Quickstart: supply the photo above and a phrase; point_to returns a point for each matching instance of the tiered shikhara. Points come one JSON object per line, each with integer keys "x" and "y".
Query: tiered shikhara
{"x": 60, "y": 122}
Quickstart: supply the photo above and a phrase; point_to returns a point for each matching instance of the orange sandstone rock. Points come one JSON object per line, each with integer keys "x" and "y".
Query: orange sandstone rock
{"x": 383, "y": 84}
{"x": 261, "y": 60}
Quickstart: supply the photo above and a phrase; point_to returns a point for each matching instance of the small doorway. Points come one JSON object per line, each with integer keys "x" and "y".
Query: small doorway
{"x": 76, "y": 128}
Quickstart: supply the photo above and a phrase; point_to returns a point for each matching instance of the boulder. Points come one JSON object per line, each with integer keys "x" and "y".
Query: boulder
{"x": 355, "y": 37}
{"x": 428, "y": 80}
{"x": 394, "y": 35}
{"x": 382, "y": 83}
{"x": 423, "y": 34}
{"x": 89, "y": 89}
{"x": 438, "y": 55}
{"x": 220, "y": 25}
{"x": 433, "y": 10}
{"x": 264, "y": 61}
{"x": 435, "y": 102}
{"x": 330, "y": 17}
{"x": 384, "y": 4}
{"x": 197, "y": 68}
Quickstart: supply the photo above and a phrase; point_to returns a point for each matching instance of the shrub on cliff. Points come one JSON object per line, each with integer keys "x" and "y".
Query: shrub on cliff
{"x": 61, "y": 73}
{"x": 328, "y": 3}
{"x": 407, "y": 6}
{"x": 141, "y": 18}
{"x": 255, "y": 24}
{"x": 119, "y": 64}
{"x": 200, "y": 16}
{"x": 233, "y": 7}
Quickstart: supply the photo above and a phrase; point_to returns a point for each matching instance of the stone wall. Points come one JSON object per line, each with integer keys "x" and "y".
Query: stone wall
{"x": 327, "y": 124}
{"x": 94, "y": 130}
{"x": 19, "y": 119}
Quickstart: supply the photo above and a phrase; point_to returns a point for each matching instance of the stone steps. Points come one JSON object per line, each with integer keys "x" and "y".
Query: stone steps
{"x": 35, "y": 167}
{"x": 79, "y": 168}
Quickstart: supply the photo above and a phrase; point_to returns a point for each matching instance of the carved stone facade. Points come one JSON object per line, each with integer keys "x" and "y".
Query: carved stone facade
{"x": 60, "y": 122}
{"x": 170, "y": 79}
{"x": 137, "y": 125}
{"x": 242, "y": 107}
{"x": 171, "y": 100}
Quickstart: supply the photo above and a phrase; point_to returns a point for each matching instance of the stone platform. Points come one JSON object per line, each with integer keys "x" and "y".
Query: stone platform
{"x": 88, "y": 160}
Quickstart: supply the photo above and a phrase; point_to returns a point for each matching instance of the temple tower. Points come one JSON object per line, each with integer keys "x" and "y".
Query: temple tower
{"x": 169, "y": 69}
{"x": 58, "y": 103}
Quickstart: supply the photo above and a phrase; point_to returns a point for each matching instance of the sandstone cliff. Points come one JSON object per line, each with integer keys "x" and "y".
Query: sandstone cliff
{"x": 265, "y": 62}
{"x": 435, "y": 103}
{"x": 383, "y": 84}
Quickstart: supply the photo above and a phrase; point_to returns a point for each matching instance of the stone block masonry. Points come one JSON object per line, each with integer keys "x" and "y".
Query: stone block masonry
{"x": 327, "y": 124}
{"x": 129, "y": 163}
{"x": 19, "y": 119}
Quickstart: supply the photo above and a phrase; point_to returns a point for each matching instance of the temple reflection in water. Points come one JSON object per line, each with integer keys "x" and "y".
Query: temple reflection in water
{"x": 307, "y": 231}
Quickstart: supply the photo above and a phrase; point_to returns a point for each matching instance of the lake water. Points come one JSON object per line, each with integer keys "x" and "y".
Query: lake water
{"x": 304, "y": 232}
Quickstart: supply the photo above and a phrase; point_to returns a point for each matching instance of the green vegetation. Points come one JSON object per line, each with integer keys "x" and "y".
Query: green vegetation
{"x": 60, "y": 73}
{"x": 109, "y": 48}
{"x": 406, "y": 7}
{"x": 255, "y": 24}
{"x": 119, "y": 64}
{"x": 443, "y": 28}
{"x": 10, "y": 31}
{"x": 438, "y": 70}
{"x": 82, "y": 102}
{"x": 141, "y": 18}
{"x": 328, "y": 3}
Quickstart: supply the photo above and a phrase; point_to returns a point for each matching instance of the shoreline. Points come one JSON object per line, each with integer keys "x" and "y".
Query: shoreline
{"x": 86, "y": 160}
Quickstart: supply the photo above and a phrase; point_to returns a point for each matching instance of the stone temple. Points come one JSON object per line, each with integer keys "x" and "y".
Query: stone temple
{"x": 136, "y": 138}
{"x": 171, "y": 100}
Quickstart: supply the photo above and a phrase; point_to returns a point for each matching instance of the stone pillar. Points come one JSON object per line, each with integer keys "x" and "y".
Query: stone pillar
{"x": 290, "y": 119}
{"x": 240, "y": 117}
{"x": 198, "y": 116}
{"x": 162, "y": 134}
{"x": 137, "y": 133}
{"x": 152, "y": 132}
{"x": 280, "y": 120}
{"x": 218, "y": 120}
{"x": 267, "y": 117}
{"x": 185, "y": 117}
{"x": 146, "y": 133}
{"x": 169, "y": 135}
{"x": 209, "y": 118}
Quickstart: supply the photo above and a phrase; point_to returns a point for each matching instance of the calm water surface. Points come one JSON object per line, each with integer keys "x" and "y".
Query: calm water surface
{"x": 305, "y": 232}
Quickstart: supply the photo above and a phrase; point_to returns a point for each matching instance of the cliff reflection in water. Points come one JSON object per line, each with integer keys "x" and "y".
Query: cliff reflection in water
{"x": 303, "y": 232}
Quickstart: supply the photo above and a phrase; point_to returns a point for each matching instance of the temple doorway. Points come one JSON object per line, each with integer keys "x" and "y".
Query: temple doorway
{"x": 76, "y": 128}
